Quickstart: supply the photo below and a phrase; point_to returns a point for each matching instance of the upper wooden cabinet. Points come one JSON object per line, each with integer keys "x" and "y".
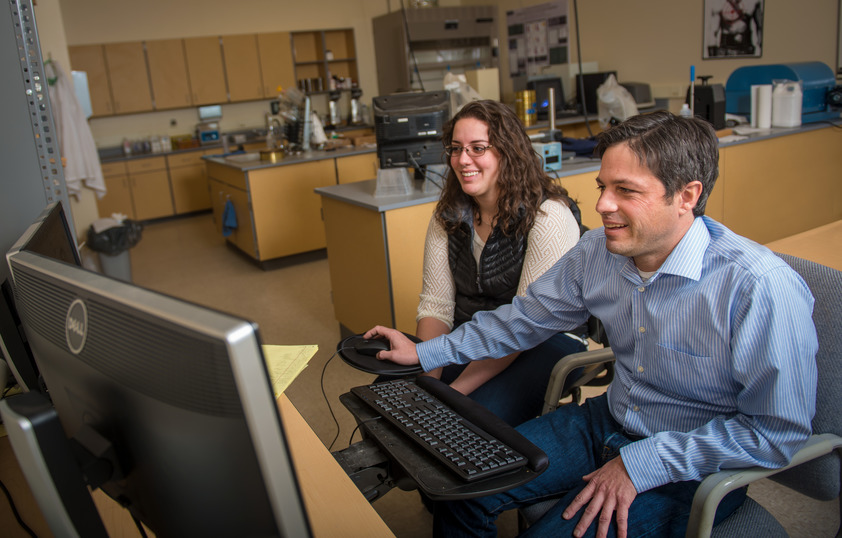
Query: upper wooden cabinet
{"x": 205, "y": 70}
{"x": 129, "y": 78}
{"x": 168, "y": 74}
{"x": 276, "y": 62}
{"x": 163, "y": 74}
{"x": 242, "y": 67}
{"x": 91, "y": 59}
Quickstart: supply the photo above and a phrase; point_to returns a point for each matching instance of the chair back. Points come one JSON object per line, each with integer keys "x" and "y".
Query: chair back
{"x": 820, "y": 478}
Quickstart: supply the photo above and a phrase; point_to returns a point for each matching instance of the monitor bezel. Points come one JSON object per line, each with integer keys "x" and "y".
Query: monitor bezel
{"x": 246, "y": 360}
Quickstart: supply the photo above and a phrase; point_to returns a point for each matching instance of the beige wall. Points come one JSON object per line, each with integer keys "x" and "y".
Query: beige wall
{"x": 53, "y": 43}
{"x": 629, "y": 37}
{"x": 656, "y": 41}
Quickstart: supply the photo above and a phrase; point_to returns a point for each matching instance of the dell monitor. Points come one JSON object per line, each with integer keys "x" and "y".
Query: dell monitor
{"x": 408, "y": 128}
{"x": 171, "y": 401}
{"x": 52, "y": 236}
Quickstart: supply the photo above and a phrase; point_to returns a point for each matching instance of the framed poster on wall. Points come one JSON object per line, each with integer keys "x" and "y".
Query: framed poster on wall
{"x": 733, "y": 29}
{"x": 537, "y": 37}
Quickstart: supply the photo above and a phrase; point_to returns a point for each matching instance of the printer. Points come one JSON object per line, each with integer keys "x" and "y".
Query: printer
{"x": 818, "y": 86}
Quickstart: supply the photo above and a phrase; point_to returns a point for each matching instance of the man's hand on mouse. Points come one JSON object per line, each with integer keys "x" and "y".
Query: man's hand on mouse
{"x": 403, "y": 349}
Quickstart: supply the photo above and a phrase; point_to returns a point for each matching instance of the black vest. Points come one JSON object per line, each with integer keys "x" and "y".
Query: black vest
{"x": 494, "y": 282}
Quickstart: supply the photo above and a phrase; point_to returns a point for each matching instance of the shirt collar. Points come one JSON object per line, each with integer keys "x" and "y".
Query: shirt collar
{"x": 685, "y": 259}
{"x": 688, "y": 255}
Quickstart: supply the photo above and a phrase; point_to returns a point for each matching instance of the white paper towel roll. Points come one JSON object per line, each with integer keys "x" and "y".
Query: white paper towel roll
{"x": 761, "y": 106}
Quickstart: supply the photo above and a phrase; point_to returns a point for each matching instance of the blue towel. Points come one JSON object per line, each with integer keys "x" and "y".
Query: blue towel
{"x": 229, "y": 219}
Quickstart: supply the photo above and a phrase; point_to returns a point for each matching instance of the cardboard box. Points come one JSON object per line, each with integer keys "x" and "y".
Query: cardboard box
{"x": 485, "y": 81}
{"x": 364, "y": 140}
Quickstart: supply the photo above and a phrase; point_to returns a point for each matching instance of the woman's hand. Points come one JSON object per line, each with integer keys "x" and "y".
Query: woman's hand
{"x": 402, "y": 349}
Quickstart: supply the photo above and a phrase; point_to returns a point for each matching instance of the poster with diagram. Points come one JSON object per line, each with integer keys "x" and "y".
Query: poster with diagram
{"x": 538, "y": 37}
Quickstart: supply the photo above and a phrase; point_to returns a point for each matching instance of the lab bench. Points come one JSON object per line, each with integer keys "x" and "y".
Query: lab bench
{"x": 770, "y": 186}
{"x": 277, "y": 212}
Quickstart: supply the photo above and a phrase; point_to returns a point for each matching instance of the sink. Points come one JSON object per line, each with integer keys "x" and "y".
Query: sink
{"x": 243, "y": 158}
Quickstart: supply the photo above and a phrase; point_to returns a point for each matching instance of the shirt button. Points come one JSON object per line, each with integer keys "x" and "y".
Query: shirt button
{"x": 641, "y": 289}
{"x": 640, "y": 369}
{"x": 636, "y": 408}
{"x": 641, "y": 330}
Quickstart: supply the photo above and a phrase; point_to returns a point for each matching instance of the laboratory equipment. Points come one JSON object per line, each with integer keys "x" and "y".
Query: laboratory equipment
{"x": 817, "y": 86}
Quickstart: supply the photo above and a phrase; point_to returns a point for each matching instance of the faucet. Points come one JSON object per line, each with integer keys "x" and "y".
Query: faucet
{"x": 273, "y": 130}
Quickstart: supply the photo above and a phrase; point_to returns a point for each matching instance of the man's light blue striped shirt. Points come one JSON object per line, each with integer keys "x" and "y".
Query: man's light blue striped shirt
{"x": 715, "y": 352}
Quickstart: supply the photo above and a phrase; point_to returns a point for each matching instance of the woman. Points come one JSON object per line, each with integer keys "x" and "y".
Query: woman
{"x": 500, "y": 223}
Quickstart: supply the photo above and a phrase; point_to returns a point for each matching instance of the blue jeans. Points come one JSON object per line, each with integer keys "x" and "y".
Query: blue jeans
{"x": 517, "y": 393}
{"x": 578, "y": 440}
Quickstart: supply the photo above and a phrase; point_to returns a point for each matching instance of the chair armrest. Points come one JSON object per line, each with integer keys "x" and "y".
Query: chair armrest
{"x": 717, "y": 485}
{"x": 563, "y": 368}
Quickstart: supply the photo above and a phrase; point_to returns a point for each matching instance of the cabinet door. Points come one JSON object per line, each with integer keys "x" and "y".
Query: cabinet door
{"x": 205, "y": 70}
{"x": 118, "y": 197}
{"x": 91, "y": 59}
{"x": 275, "y": 62}
{"x": 168, "y": 73}
{"x": 243, "y": 235}
{"x": 287, "y": 211}
{"x": 129, "y": 77}
{"x": 151, "y": 194}
{"x": 356, "y": 167}
{"x": 189, "y": 188}
{"x": 242, "y": 67}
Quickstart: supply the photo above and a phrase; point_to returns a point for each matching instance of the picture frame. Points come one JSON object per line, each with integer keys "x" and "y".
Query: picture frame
{"x": 733, "y": 29}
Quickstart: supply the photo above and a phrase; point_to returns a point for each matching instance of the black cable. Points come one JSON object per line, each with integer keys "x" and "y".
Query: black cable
{"x": 15, "y": 511}
{"x": 327, "y": 401}
{"x": 411, "y": 50}
{"x": 581, "y": 75}
{"x": 414, "y": 163}
{"x": 351, "y": 439}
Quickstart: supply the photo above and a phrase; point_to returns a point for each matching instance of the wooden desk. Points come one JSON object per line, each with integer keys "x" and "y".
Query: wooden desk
{"x": 334, "y": 504}
{"x": 821, "y": 245}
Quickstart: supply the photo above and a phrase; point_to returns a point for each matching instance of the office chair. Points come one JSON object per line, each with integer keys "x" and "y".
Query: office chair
{"x": 814, "y": 470}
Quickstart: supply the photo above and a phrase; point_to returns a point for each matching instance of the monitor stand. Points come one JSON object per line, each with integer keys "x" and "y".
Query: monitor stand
{"x": 47, "y": 460}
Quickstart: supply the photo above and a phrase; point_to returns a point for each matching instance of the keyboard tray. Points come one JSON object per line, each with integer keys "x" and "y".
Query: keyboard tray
{"x": 429, "y": 474}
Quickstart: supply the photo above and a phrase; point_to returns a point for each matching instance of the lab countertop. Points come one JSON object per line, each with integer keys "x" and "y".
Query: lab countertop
{"x": 361, "y": 193}
{"x": 251, "y": 161}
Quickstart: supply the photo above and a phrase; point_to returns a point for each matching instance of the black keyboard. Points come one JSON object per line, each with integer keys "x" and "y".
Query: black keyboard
{"x": 455, "y": 441}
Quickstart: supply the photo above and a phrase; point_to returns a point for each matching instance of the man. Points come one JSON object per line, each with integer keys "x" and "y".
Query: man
{"x": 713, "y": 337}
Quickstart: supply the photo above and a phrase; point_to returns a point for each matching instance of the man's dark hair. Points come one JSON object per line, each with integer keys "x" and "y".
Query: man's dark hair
{"x": 676, "y": 150}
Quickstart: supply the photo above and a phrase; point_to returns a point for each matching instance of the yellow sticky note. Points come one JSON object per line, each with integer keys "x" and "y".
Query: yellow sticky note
{"x": 285, "y": 363}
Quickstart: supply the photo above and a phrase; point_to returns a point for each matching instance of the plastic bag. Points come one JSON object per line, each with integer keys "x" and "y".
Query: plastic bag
{"x": 110, "y": 236}
{"x": 614, "y": 103}
{"x": 461, "y": 92}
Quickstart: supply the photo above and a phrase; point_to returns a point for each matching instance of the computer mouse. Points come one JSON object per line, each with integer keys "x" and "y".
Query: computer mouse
{"x": 371, "y": 347}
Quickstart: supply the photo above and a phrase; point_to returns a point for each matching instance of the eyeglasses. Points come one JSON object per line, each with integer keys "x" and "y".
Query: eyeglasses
{"x": 473, "y": 151}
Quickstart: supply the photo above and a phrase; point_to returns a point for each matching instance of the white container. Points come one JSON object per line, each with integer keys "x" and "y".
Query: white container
{"x": 761, "y": 106}
{"x": 786, "y": 103}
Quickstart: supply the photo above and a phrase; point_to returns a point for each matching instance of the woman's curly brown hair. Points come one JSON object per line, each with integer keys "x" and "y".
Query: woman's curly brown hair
{"x": 521, "y": 182}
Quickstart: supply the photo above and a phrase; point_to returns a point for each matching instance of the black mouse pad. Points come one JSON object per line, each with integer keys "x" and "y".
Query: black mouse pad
{"x": 373, "y": 365}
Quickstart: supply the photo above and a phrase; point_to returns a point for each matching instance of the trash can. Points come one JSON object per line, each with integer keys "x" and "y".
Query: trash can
{"x": 112, "y": 239}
